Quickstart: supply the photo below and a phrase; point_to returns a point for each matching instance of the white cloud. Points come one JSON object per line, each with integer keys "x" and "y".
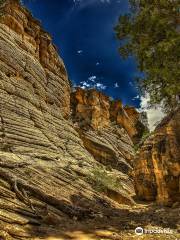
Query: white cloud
{"x": 100, "y": 86}
{"x": 85, "y": 84}
{"x": 136, "y": 97}
{"x": 116, "y": 85}
{"x": 92, "y": 78}
{"x": 80, "y": 51}
{"x": 92, "y": 83}
{"x": 154, "y": 115}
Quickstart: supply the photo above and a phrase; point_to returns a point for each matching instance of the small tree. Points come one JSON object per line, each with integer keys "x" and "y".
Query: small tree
{"x": 150, "y": 32}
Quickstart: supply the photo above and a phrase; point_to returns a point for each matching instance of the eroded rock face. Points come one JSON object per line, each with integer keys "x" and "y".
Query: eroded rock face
{"x": 129, "y": 118}
{"x": 45, "y": 158}
{"x": 106, "y": 127}
{"x": 90, "y": 108}
{"x": 107, "y": 130}
{"x": 51, "y": 147}
{"x": 28, "y": 55}
{"x": 107, "y": 141}
{"x": 157, "y": 165}
{"x": 107, "y": 138}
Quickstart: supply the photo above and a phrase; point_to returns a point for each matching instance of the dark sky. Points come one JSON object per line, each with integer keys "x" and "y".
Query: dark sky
{"x": 83, "y": 32}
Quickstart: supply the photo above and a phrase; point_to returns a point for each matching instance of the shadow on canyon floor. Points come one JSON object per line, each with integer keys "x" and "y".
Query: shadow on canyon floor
{"x": 109, "y": 223}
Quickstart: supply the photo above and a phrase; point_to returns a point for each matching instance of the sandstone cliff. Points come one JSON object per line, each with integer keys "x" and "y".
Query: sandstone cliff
{"x": 48, "y": 162}
{"x": 67, "y": 157}
{"x": 92, "y": 109}
{"x": 157, "y": 164}
{"x": 106, "y": 127}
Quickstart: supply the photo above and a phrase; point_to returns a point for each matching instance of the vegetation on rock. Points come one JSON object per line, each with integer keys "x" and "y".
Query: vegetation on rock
{"x": 150, "y": 32}
{"x": 145, "y": 135}
{"x": 102, "y": 180}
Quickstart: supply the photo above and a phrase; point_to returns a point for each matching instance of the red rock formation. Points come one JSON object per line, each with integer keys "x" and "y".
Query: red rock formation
{"x": 106, "y": 128}
{"x": 157, "y": 164}
{"x": 90, "y": 108}
{"x": 129, "y": 118}
{"x": 108, "y": 142}
{"x": 93, "y": 109}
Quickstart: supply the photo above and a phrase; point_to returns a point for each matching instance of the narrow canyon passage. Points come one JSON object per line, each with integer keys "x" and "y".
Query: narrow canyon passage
{"x": 72, "y": 161}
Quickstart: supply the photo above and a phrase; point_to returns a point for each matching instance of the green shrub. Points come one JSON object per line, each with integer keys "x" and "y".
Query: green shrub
{"x": 101, "y": 180}
{"x": 145, "y": 135}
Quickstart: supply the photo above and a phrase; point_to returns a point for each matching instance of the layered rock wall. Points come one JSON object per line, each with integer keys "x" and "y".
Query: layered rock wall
{"x": 92, "y": 109}
{"x": 46, "y": 159}
{"x": 55, "y": 144}
{"x": 130, "y": 119}
{"x": 157, "y": 164}
{"x": 30, "y": 55}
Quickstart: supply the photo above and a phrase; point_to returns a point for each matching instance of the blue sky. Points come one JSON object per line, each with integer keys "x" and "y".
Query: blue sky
{"x": 83, "y": 32}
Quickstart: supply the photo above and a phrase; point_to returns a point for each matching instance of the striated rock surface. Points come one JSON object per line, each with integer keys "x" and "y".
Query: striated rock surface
{"x": 129, "y": 118}
{"x": 90, "y": 108}
{"x": 157, "y": 164}
{"x": 47, "y": 161}
{"x": 106, "y": 128}
{"x": 66, "y": 159}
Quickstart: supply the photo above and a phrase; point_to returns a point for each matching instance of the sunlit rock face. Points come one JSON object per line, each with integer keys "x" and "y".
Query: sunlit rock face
{"x": 129, "y": 118}
{"x": 157, "y": 165}
{"x": 90, "y": 108}
{"x": 53, "y": 142}
{"x": 30, "y": 56}
{"x": 107, "y": 141}
{"x": 46, "y": 157}
{"x": 106, "y": 127}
